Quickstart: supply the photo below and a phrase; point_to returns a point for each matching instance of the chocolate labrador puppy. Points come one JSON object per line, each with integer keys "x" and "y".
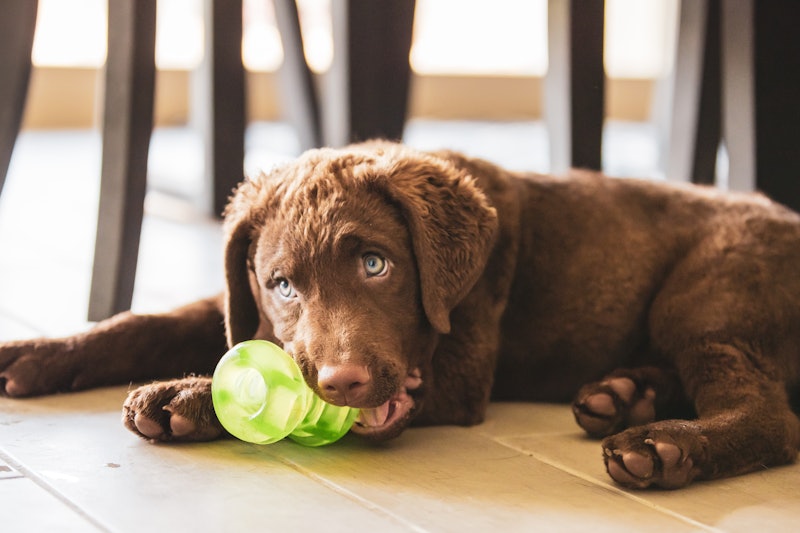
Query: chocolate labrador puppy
{"x": 421, "y": 286}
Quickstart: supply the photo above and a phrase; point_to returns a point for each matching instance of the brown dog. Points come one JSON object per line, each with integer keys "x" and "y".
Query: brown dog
{"x": 418, "y": 287}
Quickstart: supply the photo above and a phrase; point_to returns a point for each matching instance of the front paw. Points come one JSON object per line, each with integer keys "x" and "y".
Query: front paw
{"x": 609, "y": 406}
{"x": 173, "y": 411}
{"x": 40, "y": 366}
{"x": 665, "y": 454}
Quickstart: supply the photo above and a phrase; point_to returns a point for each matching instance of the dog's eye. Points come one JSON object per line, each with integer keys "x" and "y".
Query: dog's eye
{"x": 375, "y": 265}
{"x": 285, "y": 288}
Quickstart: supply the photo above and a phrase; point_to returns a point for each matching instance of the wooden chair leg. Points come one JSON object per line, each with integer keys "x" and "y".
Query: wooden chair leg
{"x": 127, "y": 126}
{"x": 744, "y": 56}
{"x": 17, "y": 27}
{"x": 777, "y": 107}
{"x": 709, "y": 119}
{"x": 575, "y": 83}
{"x": 299, "y": 97}
{"x": 218, "y": 102}
{"x": 370, "y": 76}
{"x": 227, "y": 106}
{"x": 695, "y": 128}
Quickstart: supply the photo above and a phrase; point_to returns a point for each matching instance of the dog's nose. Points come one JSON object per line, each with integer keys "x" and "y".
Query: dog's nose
{"x": 344, "y": 384}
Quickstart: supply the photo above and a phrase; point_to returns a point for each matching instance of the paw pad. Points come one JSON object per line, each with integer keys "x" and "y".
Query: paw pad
{"x": 609, "y": 406}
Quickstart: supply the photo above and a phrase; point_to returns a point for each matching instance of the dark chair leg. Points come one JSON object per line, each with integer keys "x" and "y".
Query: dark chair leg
{"x": 745, "y": 57}
{"x": 127, "y": 126}
{"x": 709, "y": 119}
{"x": 695, "y": 128}
{"x": 370, "y": 75}
{"x": 17, "y": 26}
{"x": 299, "y": 97}
{"x": 575, "y": 83}
{"x": 227, "y": 104}
{"x": 219, "y": 102}
{"x": 777, "y": 109}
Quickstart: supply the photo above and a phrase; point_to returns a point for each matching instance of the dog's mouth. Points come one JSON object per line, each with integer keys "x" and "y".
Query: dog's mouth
{"x": 389, "y": 419}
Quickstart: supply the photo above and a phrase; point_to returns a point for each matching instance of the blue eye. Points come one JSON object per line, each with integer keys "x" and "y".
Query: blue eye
{"x": 375, "y": 265}
{"x": 285, "y": 288}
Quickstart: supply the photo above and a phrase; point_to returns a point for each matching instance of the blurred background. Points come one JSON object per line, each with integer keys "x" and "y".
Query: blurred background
{"x": 477, "y": 82}
{"x": 471, "y": 60}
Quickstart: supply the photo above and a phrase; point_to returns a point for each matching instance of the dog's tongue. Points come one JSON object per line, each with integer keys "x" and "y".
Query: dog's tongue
{"x": 375, "y": 417}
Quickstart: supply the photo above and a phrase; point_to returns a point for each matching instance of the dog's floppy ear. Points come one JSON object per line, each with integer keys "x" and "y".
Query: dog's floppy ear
{"x": 244, "y": 215}
{"x": 452, "y": 227}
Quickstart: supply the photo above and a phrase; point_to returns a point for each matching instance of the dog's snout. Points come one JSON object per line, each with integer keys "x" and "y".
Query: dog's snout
{"x": 344, "y": 384}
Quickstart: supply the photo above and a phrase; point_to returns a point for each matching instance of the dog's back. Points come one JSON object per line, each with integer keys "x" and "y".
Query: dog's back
{"x": 622, "y": 271}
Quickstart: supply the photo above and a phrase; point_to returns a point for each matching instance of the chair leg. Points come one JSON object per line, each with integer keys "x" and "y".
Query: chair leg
{"x": 127, "y": 126}
{"x": 708, "y": 126}
{"x": 17, "y": 27}
{"x": 695, "y": 128}
{"x": 298, "y": 89}
{"x": 777, "y": 107}
{"x": 371, "y": 73}
{"x": 757, "y": 66}
{"x": 738, "y": 96}
{"x": 227, "y": 106}
{"x": 575, "y": 84}
{"x": 218, "y": 102}
{"x": 709, "y": 119}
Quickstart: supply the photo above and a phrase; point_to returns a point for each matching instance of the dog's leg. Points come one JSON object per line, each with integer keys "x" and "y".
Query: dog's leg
{"x": 459, "y": 381}
{"x": 744, "y": 423}
{"x": 122, "y": 349}
{"x": 630, "y": 397}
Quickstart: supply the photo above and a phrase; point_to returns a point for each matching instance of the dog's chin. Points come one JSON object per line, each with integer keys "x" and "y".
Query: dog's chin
{"x": 391, "y": 418}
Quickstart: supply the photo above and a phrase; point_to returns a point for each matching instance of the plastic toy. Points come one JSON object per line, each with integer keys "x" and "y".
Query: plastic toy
{"x": 260, "y": 396}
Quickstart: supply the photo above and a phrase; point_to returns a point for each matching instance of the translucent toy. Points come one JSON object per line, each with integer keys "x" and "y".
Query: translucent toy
{"x": 260, "y": 396}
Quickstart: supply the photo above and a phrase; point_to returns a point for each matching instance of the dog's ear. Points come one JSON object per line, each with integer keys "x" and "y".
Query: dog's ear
{"x": 452, "y": 227}
{"x": 243, "y": 218}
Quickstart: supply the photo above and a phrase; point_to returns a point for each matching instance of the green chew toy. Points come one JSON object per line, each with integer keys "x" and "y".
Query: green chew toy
{"x": 260, "y": 396}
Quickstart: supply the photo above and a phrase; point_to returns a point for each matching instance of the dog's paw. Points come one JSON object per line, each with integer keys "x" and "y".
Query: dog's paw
{"x": 609, "y": 406}
{"x": 40, "y": 366}
{"x": 664, "y": 454}
{"x": 173, "y": 411}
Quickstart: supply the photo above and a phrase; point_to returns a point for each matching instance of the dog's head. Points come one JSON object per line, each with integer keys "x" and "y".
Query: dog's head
{"x": 352, "y": 260}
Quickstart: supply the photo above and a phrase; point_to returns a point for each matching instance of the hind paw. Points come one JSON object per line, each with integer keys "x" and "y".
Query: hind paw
{"x": 609, "y": 406}
{"x": 173, "y": 411}
{"x": 663, "y": 455}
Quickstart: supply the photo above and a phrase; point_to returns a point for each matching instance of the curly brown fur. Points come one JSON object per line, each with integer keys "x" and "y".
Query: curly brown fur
{"x": 420, "y": 286}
